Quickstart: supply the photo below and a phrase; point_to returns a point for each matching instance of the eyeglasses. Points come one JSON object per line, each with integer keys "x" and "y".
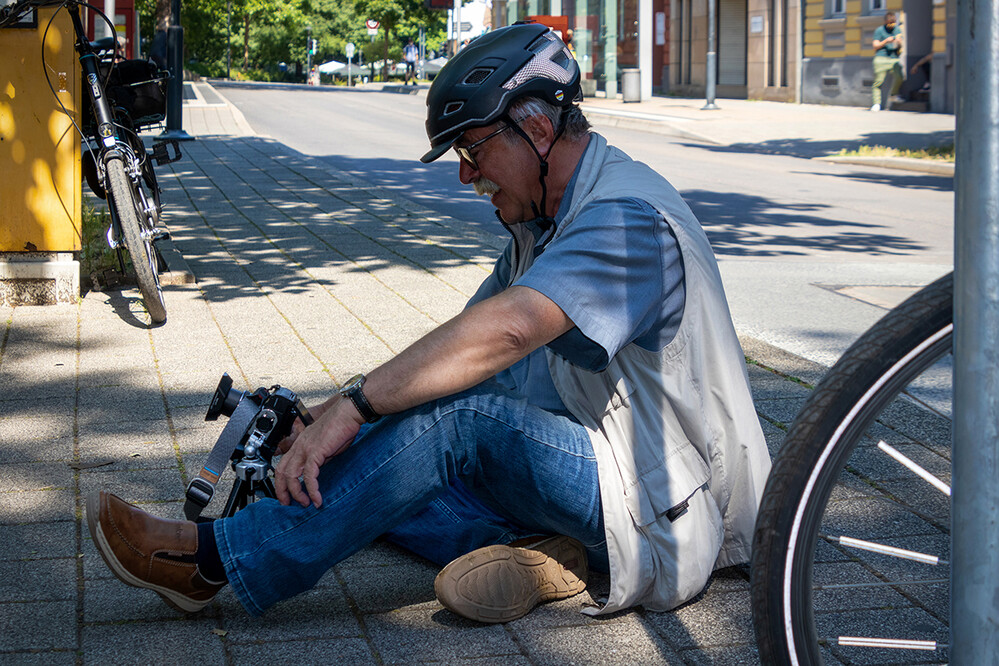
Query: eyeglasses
{"x": 465, "y": 152}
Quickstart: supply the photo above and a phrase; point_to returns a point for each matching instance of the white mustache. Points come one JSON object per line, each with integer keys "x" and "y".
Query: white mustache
{"x": 485, "y": 187}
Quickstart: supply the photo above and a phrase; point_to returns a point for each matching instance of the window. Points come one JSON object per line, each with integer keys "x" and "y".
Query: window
{"x": 838, "y": 7}
{"x": 877, "y": 6}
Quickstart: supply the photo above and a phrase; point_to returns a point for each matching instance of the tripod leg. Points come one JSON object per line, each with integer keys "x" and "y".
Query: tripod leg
{"x": 237, "y": 499}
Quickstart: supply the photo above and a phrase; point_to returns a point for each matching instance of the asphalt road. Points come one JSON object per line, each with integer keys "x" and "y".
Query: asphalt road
{"x": 812, "y": 253}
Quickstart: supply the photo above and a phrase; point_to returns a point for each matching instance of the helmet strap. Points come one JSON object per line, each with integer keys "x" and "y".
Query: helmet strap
{"x": 541, "y": 216}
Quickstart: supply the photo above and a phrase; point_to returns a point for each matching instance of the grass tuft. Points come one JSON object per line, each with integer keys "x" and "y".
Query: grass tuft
{"x": 96, "y": 256}
{"x": 943, "y": 153}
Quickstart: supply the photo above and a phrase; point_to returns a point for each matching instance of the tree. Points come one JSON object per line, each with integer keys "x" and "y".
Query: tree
{"x": 269, "y": 32}
{"x": 388, "y": 13}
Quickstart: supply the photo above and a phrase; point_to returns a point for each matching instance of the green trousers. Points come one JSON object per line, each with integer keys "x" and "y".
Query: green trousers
{"x": 883, "y": 65}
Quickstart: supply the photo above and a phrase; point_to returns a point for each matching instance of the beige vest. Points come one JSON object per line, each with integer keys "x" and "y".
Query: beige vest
{"x": 667, "y": 427}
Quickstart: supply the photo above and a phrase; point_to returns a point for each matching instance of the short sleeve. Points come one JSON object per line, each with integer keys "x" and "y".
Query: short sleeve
{"x": 497, "y": 281}
{"x": 611, "y": 271}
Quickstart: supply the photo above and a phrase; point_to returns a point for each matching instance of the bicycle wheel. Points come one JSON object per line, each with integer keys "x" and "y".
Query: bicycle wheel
{"x": 853, "y": 535}
{"x": 132, "y": 212}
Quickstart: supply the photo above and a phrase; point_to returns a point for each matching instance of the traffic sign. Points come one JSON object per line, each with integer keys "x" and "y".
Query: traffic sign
{"x": 371, "y": 24}
{"x": 350, "y": 50}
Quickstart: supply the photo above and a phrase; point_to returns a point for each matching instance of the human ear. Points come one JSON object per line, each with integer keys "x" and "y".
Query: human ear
{"x": 540, "y": 129}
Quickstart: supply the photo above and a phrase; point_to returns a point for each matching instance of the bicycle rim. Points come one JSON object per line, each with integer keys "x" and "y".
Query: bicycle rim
{"x": 852, "y": 540}
{"x": 137, "y": 234}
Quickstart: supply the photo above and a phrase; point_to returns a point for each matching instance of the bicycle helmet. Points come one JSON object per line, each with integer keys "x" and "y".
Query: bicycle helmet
{"x": 477, "y": 86}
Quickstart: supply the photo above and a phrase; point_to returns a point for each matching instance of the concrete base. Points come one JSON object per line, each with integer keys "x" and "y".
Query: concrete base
{"x": 39, "y": 278}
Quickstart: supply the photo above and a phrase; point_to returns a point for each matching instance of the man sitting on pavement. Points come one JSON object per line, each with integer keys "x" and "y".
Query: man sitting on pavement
{"x": 590, "y": 403}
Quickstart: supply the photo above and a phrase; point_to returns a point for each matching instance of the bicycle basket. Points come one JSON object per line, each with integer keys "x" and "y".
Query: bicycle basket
{"x": 137, "y": 87}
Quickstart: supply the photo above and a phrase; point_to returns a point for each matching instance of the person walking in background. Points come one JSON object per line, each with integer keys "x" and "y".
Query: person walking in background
{"x": 887, "y": 49}
{"x": 410, "y": 54}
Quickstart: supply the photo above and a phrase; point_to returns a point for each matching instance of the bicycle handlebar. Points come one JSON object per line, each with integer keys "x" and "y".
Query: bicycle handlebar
{"x": 14, "y": 12}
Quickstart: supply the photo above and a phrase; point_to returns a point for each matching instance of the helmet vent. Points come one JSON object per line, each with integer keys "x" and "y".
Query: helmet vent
{"x": 477, "y": 76}
{"x": 550, "y": 61}
{"x": 452, "y": 107}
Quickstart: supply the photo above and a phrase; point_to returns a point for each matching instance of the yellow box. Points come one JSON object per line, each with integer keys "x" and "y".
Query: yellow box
{"x": 39, "y": 147}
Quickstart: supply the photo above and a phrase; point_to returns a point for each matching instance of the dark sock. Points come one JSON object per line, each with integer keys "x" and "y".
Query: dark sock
{"x": 207, "y": 556}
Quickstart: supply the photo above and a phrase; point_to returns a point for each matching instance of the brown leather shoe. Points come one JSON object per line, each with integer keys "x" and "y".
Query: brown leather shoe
{"x": 502, "y": 583}
{"x": 149, "y": 552}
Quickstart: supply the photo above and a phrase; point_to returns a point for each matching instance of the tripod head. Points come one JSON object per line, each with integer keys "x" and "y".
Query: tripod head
{"x": 276, "y": 411}
{"x": 258, "y": 421}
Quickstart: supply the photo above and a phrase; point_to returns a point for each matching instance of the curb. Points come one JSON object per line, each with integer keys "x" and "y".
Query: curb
{"x": 641, "y": 122}
{"x": 237, "y": 115}
{"x": 175, "y": 269}
{"x": 899, "y": 163}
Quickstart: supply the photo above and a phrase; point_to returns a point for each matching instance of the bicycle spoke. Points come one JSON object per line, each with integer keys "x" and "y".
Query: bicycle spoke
{"x": 882, "y": 549}
{"x": 892, "y": 583}
{"x": 888, "y": 397}
{"x": 914, "y": 468}
{"x": 893, "y": 643}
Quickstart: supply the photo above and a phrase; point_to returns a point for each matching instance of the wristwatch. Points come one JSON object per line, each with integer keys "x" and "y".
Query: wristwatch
{"x": 352, "y": 390}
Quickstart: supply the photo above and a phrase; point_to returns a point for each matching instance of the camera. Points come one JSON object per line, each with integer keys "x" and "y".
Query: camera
{"x": 258, "y": 421}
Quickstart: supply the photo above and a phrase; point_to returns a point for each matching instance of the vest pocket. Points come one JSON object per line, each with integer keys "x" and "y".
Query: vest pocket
{"x": 663, "y": 489}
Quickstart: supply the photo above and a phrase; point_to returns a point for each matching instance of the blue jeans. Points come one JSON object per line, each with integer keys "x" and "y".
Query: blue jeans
{"x": 473, "y": 469}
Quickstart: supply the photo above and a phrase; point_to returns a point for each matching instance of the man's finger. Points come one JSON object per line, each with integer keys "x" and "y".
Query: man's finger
{"x": 281, "y": 490}
{"x": 298, "y": 493}
{"x": 311, "y": 477}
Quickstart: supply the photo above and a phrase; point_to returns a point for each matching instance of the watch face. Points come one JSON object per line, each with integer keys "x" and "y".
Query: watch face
{"x": 352, "y": 383}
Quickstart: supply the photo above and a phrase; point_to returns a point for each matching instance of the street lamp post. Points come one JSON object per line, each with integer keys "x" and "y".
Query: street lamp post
{"x": 712, "y": 68}
{"x": 175, "y": 86}
{"x": 228, "y": 40}
{"x": 974, "y": 616}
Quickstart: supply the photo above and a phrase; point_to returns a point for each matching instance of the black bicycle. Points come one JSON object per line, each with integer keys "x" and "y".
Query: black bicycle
{"x": 850, "y": 555}
{"x": 123, "y": 96}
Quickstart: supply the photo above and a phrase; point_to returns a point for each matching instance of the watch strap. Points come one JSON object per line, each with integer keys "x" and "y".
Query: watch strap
{"x": 361, "y": 403}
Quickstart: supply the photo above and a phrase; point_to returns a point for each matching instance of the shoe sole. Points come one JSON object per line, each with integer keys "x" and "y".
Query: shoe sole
{"x": 173, "y": 599}
{"x": 515, "y": 580}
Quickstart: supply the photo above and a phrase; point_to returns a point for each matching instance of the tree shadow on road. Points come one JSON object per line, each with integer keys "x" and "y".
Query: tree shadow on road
{"x": 808, "y": 148}
{"x": 249, "y": 212}
{"x": 904, "y": 179}
{"x": 746, "y": 225}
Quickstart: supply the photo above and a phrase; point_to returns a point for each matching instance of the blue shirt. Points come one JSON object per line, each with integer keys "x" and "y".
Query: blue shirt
{"x": 882, "y": 33}
{"x": 616, "y": 272}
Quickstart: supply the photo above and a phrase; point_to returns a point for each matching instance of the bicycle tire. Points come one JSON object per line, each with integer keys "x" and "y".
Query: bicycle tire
{"x": 820, "y": 441}
{"x": 133, "y": 222}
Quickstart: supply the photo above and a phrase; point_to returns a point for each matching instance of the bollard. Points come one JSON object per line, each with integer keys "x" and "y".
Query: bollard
{"x": 631, "y": 85}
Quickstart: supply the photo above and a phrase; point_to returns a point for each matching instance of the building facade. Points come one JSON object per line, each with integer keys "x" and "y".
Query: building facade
{"x": 813, "y": 51}
{"x": 837, "y": 53}
{"x": 611, "y": 38}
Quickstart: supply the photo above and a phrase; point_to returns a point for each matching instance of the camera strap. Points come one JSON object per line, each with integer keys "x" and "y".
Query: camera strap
{"x": 202, "y": 487}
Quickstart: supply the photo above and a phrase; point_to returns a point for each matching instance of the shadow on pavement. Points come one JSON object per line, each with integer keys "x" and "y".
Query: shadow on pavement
{"x": 903, "y": 179}
{"x": 809, "y": 148}
{"x": 291, "y": 220}
{"x": 752, "y": 226}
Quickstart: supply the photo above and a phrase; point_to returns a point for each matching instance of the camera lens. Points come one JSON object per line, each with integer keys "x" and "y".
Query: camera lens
{"x": 265, "y": 422}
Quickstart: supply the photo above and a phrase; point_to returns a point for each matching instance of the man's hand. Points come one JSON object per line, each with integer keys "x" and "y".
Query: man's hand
{"x": 297, "y": 428}
{"x": 327, "y": 437}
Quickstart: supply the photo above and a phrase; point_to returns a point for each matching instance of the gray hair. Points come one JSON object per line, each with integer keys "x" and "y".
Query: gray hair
{"x": 576, "y": 124}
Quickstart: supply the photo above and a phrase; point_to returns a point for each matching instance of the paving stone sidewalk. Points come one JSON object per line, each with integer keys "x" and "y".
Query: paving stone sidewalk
{"x": 303, "y": 277}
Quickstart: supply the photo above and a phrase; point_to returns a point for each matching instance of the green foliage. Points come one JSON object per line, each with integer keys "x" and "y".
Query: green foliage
{"x": 375, "y": 50}
{"x": 95, "y": 254}
{"x": 276, "y": 31}
{"x": 943, "y": 153}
